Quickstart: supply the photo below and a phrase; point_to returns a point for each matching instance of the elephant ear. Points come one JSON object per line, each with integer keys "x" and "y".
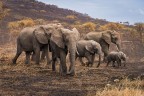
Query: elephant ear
{"x": 77, "y": 34}
{"x": 122, "y": 55}
{"x": 40, "y": 34}
{"x": 57, "y": 38}
{"x": 106, "y": 37}
{"x": 89, "y": 47}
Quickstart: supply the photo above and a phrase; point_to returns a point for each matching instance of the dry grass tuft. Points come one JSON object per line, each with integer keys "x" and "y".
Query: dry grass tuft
{"x": 124, "y": 88}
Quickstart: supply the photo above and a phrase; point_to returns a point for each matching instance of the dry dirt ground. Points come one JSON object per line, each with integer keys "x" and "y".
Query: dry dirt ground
{"x": 38, "y": 80}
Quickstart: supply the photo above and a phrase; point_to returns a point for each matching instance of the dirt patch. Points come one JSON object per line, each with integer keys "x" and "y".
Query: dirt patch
{"x": 32, "y": 79}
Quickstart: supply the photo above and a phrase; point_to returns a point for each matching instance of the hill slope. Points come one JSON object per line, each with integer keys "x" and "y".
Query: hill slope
{"x": 20, "y": 9}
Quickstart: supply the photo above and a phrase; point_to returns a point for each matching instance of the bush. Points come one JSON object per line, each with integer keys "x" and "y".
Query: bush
{"x": 16, "y": 26}
{"x": 72, "y": 17}
{"x": 89, "y": 26}
{"x": 112, "y": 26}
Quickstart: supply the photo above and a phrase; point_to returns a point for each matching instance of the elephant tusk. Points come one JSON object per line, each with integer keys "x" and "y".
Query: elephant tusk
{"x": 77, "y": 52}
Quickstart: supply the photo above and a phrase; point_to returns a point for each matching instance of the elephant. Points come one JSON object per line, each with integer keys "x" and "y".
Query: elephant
{"x": 88, "y": 49}
{"x": 62, "y": 42}
{"x": 116, "y": 56}
{"x": 34, "y": 39}
{"x": 104, "y": 38}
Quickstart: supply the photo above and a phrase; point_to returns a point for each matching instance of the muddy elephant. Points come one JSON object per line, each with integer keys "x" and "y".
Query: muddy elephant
{"x": 116, "y": 57}
{"x": 62, "y": 42}
{"x": 104, "y": 38}
{"x": 34, "y": 39}
{"x": 88, "y": 49}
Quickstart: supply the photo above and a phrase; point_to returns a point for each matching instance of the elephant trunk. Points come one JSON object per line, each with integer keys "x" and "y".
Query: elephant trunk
{"x": 118, "y": 46}
{"x": 72, "y": 51}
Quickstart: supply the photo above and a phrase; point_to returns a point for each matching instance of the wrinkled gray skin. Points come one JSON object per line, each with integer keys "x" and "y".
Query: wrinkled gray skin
{"x": 116, "y": 57}
{"x": 63, "y": 41}
{"x": 104, "y": 38}
{"x": 88, "y": 49}
{"x": 34, "y": 39}
{"x": 46, "y": 50}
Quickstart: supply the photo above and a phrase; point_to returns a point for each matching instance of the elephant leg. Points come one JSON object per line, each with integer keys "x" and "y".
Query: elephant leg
{"x": 63, "y": 66}
{"x": 53, "y": 61}
{"x": 89, "y": 58}
{"x": 108, "y": 63}
{"x": 119, "y": 62}
{"x": 45, "y": 52}
{"x": 105, "y": 56}
{"x": 93, "y": 58}
{"x": 43, "y": 55}
{"x": 19, "y": 51}
{"x": 37, "y": 53}
{"x": 33, "y": 56}
{"x": 124, "y": 64}
{"x": 105, "y": 49}
{"x": 16, "y": 56}
{"x": 27, "y": 61}
{"x": 81, "y": 61}
{"x": 113, "y": 64}
{"x": 99, "y": 60}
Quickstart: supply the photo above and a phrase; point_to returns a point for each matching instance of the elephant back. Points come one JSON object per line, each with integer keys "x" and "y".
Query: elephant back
{"x": 96, "y": 36}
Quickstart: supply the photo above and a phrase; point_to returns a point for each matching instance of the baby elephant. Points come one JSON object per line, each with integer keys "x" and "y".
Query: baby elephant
{"x": 88, "y": 49}
{"x": 116, "y": 56}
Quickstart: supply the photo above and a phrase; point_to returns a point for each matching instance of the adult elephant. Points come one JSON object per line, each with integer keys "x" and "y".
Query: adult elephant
{"x": 34, "y": 39}
{"x": 63, "y": 41}
{"x": 104, "y": 38}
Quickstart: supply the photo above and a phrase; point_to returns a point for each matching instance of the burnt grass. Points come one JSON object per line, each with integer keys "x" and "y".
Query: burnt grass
{"x": 39, "y": 80}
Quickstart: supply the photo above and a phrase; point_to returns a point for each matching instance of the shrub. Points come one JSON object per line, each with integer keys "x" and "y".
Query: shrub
{"x": 112, "y": 26}
{"x": 73, "y": 17}
{"x": 16, "y": 26}
{"x": 89, "y": 26}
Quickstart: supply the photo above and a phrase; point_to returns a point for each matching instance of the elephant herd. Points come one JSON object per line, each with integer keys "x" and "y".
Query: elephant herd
{"x": 61, "y": 41}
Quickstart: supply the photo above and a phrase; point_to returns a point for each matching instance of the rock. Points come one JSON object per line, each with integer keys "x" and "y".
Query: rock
{"x": 108, "y": 85}
{"x": 116, "y": 80}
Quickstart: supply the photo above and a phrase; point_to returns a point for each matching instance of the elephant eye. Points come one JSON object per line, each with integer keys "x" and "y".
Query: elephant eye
{"x": 115, "y": 38}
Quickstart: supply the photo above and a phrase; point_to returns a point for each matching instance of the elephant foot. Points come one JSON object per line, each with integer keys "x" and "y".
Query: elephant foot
{"x": 113, "y": 66}
{"x": 52, "y": 69}
{"x": 71, "y": 73}
{"x": 63, "y": 74}
{"x": 37, "y": 63}
{"x": 83, "y": 64}
{"x": 124, "y": 65}
{"x": 87, "y": 64}
{"x": 90, "y": 65}
{"x": 26, "y": 63}
{"x": 97, "y": 66}
{"x": 13, "y": 61}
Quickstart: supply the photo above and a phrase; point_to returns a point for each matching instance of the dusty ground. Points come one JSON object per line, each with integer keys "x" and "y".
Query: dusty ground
{"x": 34, "y": 80}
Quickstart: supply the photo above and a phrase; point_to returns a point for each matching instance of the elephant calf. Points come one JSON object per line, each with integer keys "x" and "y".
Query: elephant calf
{"x": 116, "y": 56}
{"x": 88, "y": 49}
